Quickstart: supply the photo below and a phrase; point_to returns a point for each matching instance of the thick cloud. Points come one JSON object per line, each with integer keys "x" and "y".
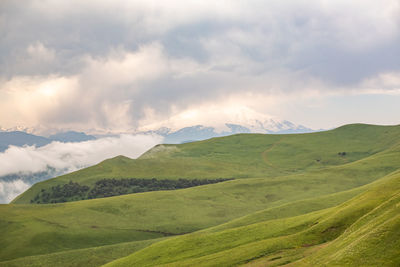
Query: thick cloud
{"x": 19, "y": 164}
{"x": 10, "y": 190}
{"x": 113, "y": 65}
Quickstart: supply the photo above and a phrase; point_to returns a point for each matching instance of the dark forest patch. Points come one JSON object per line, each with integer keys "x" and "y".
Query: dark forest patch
{"x": 74, "y": 191}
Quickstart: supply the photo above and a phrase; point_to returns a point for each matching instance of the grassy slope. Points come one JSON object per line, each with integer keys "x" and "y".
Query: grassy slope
{"x": 89, "y": 257}
{"x": 41, "y": 229}
{"x": 374, "y": 240}
{"x": 366, "y": 232}
{"x": 239, "y": 156}
{"x": 94, "y": 256}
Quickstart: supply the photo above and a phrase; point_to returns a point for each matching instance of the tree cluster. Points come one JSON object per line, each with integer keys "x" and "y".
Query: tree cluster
{"x": 62, "y": 193}
{"x": 114, "y": 187}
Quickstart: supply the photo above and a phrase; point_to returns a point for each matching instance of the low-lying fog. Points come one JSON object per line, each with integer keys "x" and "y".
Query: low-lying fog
{"x": 20, "y": 167}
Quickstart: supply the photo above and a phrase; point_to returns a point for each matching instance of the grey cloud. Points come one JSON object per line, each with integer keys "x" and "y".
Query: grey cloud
{"x": 283, "y": 30}
{"x": 342, "y": 67}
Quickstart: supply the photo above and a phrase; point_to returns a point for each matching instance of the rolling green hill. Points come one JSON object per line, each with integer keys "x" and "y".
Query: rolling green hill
{"x": 365, "y": 230}
{"x": 311, "y": 199}
{"x": 239, "y": 156}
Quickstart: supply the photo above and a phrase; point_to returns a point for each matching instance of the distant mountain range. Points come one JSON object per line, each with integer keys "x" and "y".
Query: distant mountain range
{"x": 19, "y": 138}
{"x": 183, "y": 135}
{"x": 201, "y": 132}
{"x": 14, "y": 183}
{"x": 71, "y": 137}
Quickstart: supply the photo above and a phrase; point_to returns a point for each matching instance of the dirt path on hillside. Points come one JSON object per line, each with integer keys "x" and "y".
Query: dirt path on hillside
{"x": 264, "y": 154}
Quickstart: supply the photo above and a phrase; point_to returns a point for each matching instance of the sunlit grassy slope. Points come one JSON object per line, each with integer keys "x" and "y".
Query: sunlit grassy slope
{"x": 294, "y": 199}
{"x": 365, "y": 230}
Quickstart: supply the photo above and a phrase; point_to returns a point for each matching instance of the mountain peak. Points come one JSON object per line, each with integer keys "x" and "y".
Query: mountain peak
{"x": 214, "y": 121}
{"x": 219, "y": 118}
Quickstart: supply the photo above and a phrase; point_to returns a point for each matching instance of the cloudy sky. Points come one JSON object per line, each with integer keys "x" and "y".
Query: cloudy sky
{"x": 126, "y": 65}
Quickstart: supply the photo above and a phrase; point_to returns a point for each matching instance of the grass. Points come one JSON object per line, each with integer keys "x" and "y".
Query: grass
{"x": 292, "y": 200}
{"x": 82, "y": 224}
{"x": 89, "y": 257}
{"x": 365, "y": 226}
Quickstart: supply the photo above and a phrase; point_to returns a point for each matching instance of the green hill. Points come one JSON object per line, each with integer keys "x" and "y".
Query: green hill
{"x": 312, "y": 199}
{"x": 365, "y": 231}
{"x": 238, "y": 156}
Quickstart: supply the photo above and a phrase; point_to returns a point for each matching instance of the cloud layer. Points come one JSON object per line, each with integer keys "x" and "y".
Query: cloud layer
{"x": 64, "y": 157}
{"x": 10, "y": 190}
{"x": 121, "y": 65}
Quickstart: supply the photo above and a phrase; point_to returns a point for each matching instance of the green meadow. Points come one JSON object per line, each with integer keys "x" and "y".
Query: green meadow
{"x": 321, "y": 199}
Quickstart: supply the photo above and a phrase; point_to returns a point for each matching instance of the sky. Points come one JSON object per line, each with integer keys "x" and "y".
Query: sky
{"x": 124, "y": 66}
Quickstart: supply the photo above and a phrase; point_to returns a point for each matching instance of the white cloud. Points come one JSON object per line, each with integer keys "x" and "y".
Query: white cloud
{"x": 106, "y": 94}
{"x": 383, "y": 83}
{"x": 10, "y": 190}
{"x": 72, "y": 156}
{"x": 66, "y": 157}
{"x": 121, "y": 67}
{"x": 27, "y": 100}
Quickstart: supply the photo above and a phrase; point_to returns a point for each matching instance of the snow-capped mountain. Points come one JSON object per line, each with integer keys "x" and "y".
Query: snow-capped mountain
{"x": 192, "y": 125}
{"x": 201, "y": 132}
{"x": 276, "y": 126}
{"x": 212, "y": 121}
{"x": 207, "y": 122}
